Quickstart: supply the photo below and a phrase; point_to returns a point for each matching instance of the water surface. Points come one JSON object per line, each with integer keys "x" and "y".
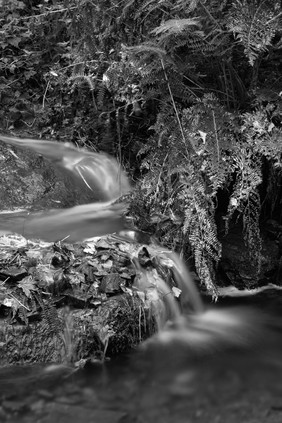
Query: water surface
{"x": 165, "y": 382}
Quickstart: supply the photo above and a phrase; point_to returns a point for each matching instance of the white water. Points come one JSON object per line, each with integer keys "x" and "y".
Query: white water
{"x": 198, "y": 328}
{"x": 101, "y": 172}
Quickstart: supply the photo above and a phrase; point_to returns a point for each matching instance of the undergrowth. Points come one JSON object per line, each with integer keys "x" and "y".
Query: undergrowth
{"x": 187, "y": 95}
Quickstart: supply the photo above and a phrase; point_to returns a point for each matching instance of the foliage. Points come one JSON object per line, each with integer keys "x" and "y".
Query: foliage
{"x": 56, "y": 71}
{"x": 180, "y": 185}
{"x": 186, "y": 92}
{"x": 204, "y": 139}
{"x": 255, "y": 23}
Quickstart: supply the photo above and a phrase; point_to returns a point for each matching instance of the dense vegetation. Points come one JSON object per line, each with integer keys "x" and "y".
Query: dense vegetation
{"x": 186, "y": 93}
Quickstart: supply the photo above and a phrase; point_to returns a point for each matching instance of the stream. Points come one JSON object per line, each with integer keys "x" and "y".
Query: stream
{"x": 164, "y": 382}
{"x": 206, "y": 364}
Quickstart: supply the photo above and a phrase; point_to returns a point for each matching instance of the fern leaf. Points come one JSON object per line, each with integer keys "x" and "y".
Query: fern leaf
{"x": 176, "y": 26}
{"x": 146, "y": 48}
{"x": 188, "y": 6}
{"x": 248, "y": 178}
{"x": 254, "y": 24}
{"x": 152, "y": 5}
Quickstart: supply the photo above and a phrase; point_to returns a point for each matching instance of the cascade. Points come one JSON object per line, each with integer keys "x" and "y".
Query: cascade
{"x": 195, "y": 326}
{"x": 200, "y": 327}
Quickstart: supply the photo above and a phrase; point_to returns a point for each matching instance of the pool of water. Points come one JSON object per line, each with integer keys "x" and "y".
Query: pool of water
{"x": 170, "y": 382}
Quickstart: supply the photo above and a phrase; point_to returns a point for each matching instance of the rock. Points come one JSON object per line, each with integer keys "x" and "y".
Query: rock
{"x": 70, "y": 303}
{"x": 236, "y": 268}
{"x": 30, "y": 182}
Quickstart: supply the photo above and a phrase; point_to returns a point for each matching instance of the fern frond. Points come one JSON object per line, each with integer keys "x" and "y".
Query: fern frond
{"x": 101, "y": 96}
{"x": 148, "y": 48}
{"x": 262, "y": 136}
{"x": 254, "y": 24}
{"x": 80, "y": 79}
{"x": 50, "y": 317}
{"x": 195, "y": 44}
{"x": 199, "y": 225}
{"x": 248, "y": 177}
{"x": 176, "y": 26}
{"x": 151, "y": 6}
{"x": 188, "y": 6}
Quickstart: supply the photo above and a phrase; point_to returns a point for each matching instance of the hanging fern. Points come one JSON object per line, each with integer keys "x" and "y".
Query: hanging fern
{"x": 177, "y": 187}
{"x": 199, "y": 225}
{"x": 181, "y": 185}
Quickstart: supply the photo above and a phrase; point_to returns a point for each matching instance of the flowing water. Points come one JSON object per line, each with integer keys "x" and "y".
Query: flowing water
{"x": 220, "y": 364}
{"x": 205, "y": 364}
{"x": 161, "y": 383}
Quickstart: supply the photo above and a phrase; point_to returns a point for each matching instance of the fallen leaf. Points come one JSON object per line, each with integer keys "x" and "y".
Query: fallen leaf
{"x": 27, "y": 285}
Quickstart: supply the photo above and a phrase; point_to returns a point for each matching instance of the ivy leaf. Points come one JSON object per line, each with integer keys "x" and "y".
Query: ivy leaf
{"x": 27, "y": 285}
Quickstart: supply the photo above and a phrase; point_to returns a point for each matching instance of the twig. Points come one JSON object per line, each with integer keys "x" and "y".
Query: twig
{"x": 47, "y": 13}
{"x": 31, "y": 125}
{"x": 176, "y": 112}
{"x": 19, "y": 302}
{"x": 45, "y": 93}
{"x": 217, "y": 147}
{"x": 2, "y": 283}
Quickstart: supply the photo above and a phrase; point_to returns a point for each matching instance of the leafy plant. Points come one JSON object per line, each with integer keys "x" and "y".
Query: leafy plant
{"x": 255, "y": 23}
{"x": 202, "y": 142}
{"x": 185, "y": 92}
